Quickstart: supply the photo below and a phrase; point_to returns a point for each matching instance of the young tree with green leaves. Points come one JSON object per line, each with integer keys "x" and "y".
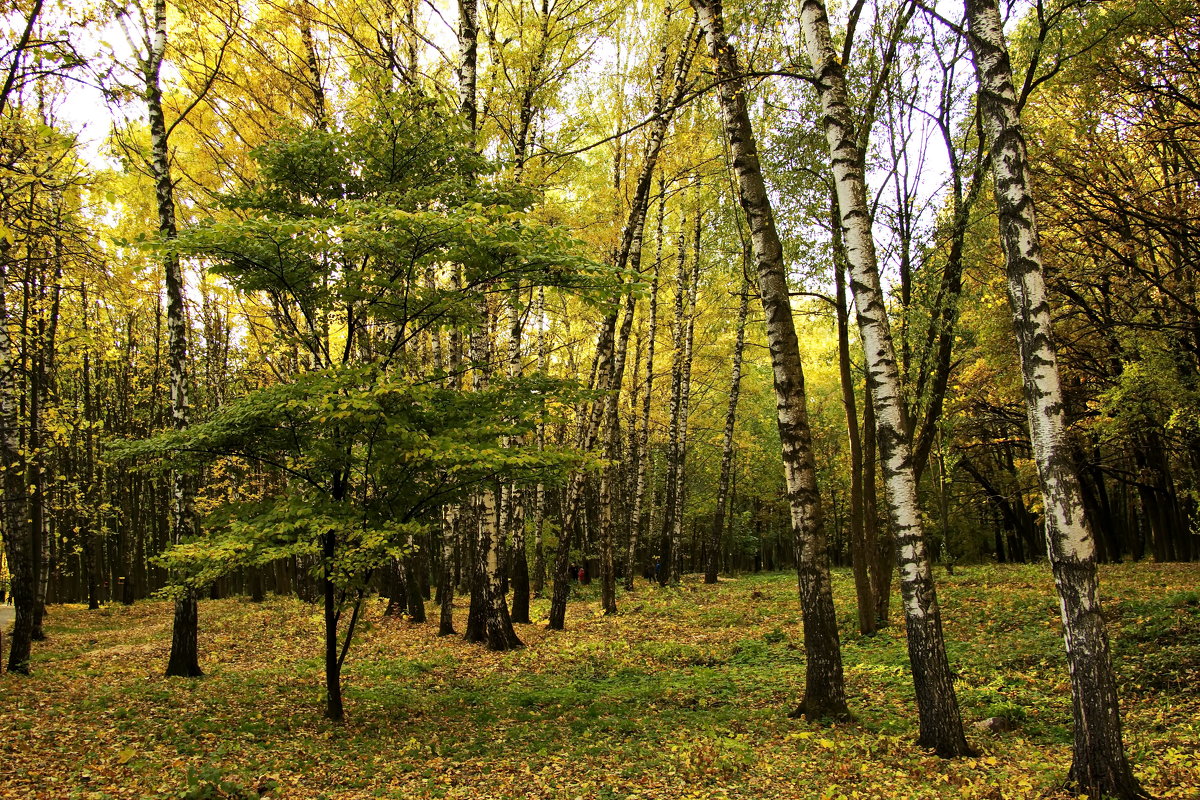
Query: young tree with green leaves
{"x": 339, "y": 235}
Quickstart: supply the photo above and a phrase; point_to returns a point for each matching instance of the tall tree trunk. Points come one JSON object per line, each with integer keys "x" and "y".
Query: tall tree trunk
{"x": 512, "y": 515}
{"x": 863, "y": 551}
{"x": 825, "y": 693}
{"x": 685, "y": 397}
{"x": 880, "y": 565}
{"x": 35, "y": 488}
{"x": 940, "y": 720}
{"x": 723, "y": 482}
{"x": 20, "y": 544}
{"x": 184, "y": 659}
{"x": 637, "y": 519}
{"x": 539, "y": 498}
{"x": 1099, "y": 767}
{"x": 91, "y": 553}
{"x": 672, "y": 507}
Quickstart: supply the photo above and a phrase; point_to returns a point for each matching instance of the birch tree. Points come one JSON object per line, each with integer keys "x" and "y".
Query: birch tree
{"x": 824, "y": 693}
{"x": 937, "y": 705}
{"x": 151, "y": 48}
{"x": 1098, "y": 767}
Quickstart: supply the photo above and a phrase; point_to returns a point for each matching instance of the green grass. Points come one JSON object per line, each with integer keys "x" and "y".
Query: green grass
{"x": 684, "y": 694}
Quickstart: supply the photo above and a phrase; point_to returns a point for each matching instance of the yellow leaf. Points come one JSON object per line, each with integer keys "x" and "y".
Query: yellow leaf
{"x": 125, "y": 755}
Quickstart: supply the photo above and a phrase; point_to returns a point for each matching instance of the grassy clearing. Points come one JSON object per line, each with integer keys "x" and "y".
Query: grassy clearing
{"x": 683, "y": 695}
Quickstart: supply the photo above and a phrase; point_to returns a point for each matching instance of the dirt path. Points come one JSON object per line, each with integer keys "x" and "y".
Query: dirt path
{"x": 6, "y": 616}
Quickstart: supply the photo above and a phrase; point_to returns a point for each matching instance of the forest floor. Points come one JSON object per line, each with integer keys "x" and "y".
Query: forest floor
{"x": 685, "y": 694}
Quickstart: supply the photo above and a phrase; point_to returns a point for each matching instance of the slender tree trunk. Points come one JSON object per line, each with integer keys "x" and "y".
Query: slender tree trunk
{"x": 333, "y": 668}
{"x": 184, "y": 659}
{"x": 825, "y": 693}
{"x": 91, "y": 554}
{"x": 878, "y": 541}
{"x": 723, "y": 482}
{"x": 672, "y": 507}
{"x": 637, "y": 521}
{"x": 862, "y": 551}
{"x": 512, "y": 516}
{"x": 17, "y": 535}
{"x": 35, "y": 489}
{"x": 446, "y": 577}
{"x": 940, "y": 720}
{"x": 1099, "y": 767}
{"x": 539, "y": 499}
{"x": 685, "y": 396}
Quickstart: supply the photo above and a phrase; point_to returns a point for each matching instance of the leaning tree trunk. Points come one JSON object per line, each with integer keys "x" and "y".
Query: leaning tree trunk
{"x": 825, "y": 693}
{"x": 1099, "y": 767}
{"x": 735, "y": 384}
{"x": 184, "y": 660}
{"x": 940, "y": 720}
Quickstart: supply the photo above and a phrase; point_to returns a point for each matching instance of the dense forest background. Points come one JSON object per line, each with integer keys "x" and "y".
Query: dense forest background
{"x": 338, "y": 299}
{"x": 266, "y": 106}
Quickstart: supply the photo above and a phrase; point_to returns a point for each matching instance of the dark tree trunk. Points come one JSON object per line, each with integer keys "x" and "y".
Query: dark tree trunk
{"x": 724, "y": 480}
{"x": 333, "y": 667}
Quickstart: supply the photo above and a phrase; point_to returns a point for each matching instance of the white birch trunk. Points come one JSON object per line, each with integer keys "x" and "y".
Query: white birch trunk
{"x": 1099, "y": 766}
{"x": 825, "y": 693}
{"x": 937, "y": 706}
{"x": 184, "y": 658}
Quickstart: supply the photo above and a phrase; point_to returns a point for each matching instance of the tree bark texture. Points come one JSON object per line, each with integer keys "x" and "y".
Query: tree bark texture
{"x": 184, "y": 659}
{"x": 1099, "y": 767}
{"x": 825, "y": 693}
{"x": 937, "y": 706}
{"x": 862, "y": 550}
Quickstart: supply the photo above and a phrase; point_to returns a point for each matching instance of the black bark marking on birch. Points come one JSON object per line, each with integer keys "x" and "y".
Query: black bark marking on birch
{"x": 825, "y": 691}
{"x": 941, "y": 725}
{"x": 1099, "y": 766}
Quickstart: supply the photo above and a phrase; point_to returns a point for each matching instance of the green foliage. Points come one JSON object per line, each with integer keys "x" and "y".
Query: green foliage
{"x": 366, "y": 245}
